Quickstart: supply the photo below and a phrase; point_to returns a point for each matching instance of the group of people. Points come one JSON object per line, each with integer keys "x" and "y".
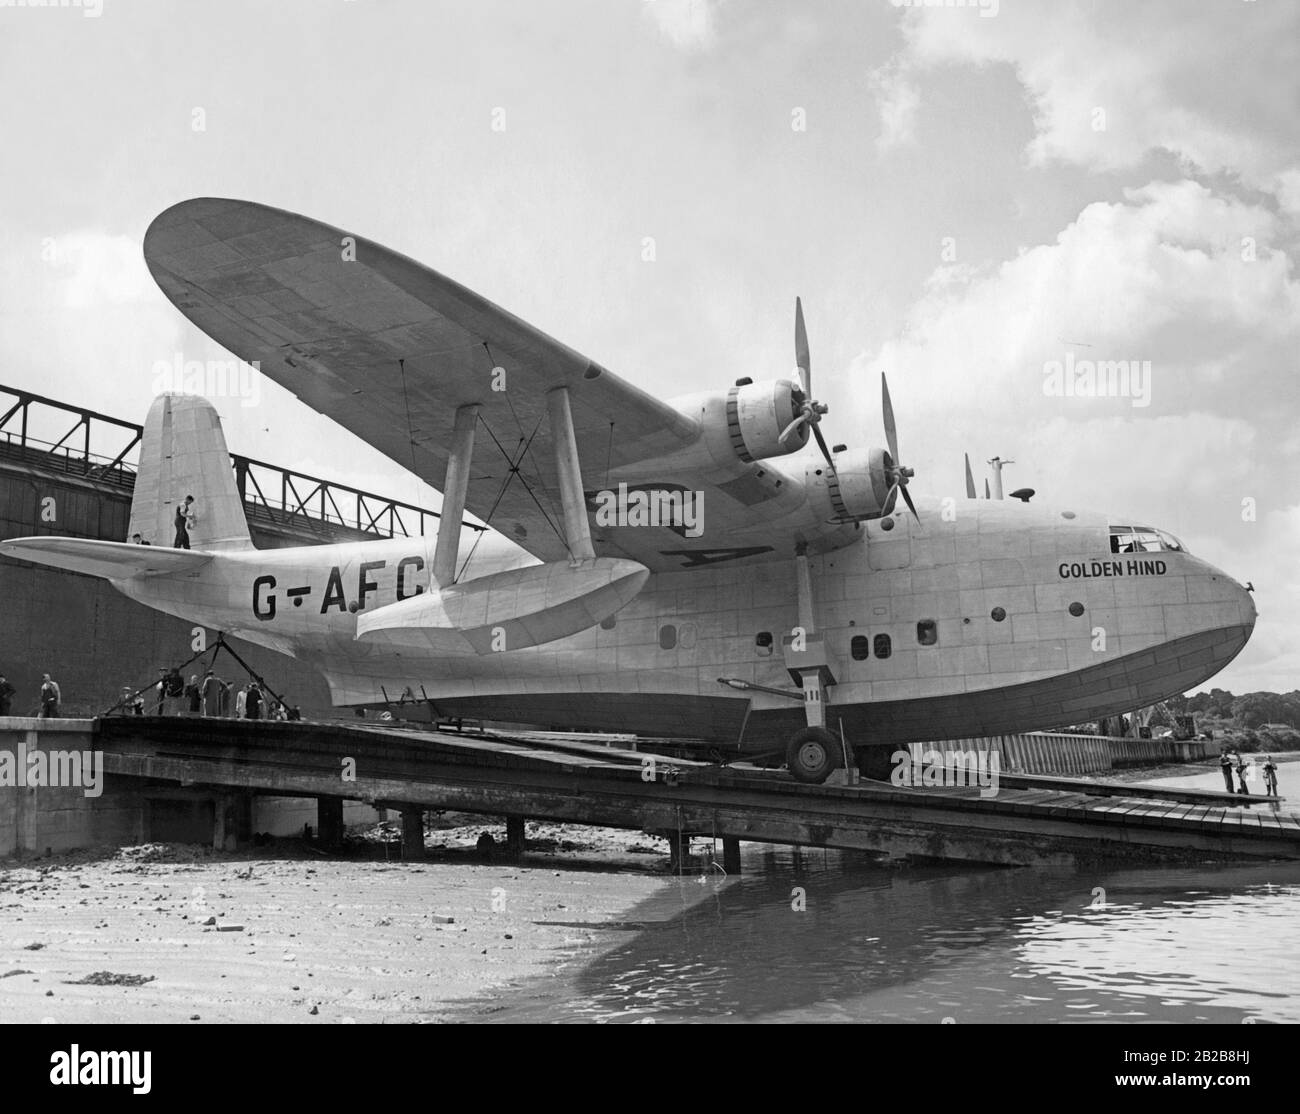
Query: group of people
{"x": 213, "y": 697}
{"x": 1234, "y": 763}
{"x": 51, "y": 697}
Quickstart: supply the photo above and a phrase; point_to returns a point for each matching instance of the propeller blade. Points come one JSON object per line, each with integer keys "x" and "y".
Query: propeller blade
{"x": 986, "y": 488}
{"x": 890, "y": 500}
{"x": 891, "y": 433}
{"x": 910, "y": 505}
{"x": 789, "y": 430}
{"x": 801, "y": 357}
{"x": 970, "y": 480}
{"x": 821, "y": 441}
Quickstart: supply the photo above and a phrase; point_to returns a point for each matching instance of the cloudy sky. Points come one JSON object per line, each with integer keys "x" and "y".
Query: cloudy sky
{"x": 962, "y": 197}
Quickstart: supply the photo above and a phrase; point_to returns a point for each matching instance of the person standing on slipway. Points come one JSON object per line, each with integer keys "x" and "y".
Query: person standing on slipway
{"x": 50, "y": 697}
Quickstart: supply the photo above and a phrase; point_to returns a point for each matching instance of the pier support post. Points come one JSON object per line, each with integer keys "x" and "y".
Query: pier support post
{"x": 329, "y": 821}
{"x": 225, "y": 824}
{"x": 514, "y": 836}
{"x": 412, "y": 833}
{"x": 679, "y": 850}
{"x": 731, "y": 854}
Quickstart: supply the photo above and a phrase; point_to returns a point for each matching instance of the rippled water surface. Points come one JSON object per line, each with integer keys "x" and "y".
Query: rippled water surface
{"x": 1214, "y": 943}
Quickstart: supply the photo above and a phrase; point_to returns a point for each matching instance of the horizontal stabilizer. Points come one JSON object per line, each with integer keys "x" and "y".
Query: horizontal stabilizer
{"x": 510, "y": 610}
{"x": 111, "y": 560}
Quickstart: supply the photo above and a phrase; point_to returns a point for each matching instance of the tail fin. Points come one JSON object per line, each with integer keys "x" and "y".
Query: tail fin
{"x": 183, "y": 452}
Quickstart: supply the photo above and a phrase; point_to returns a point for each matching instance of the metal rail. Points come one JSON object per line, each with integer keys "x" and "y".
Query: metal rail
{"x": 273, "y": 494}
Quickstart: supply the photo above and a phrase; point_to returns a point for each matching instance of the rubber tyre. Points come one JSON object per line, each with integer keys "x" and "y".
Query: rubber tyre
{"x": 813, "y": 754}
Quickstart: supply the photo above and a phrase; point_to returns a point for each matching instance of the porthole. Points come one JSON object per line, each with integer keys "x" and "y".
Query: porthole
{"x": 860, "y": 647}
{"x": 927, "y": 632}
{"x": 1076, "y": 609}
{"x": 1067, "y": 514}
{"x": 998, "y": 614}
{"x": 667, "y": 637}
{"x": 886, "y": 523}
{"x": 882, "y": 646}
{"x": 763, "y": 643}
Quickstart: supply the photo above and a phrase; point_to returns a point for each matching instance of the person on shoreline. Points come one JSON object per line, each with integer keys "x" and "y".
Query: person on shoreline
{"x": 1241, "y": 775}
{"x": 1270, "y": 776}
{"x": 1225, "y": 768}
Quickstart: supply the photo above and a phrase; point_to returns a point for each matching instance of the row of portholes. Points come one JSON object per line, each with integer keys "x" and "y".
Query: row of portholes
{"x": 672, "y": 636}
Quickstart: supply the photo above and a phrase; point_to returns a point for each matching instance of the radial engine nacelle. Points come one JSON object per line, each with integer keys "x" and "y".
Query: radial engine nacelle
{"x": 745, "y": 423}
{"x": 857, "y": 489}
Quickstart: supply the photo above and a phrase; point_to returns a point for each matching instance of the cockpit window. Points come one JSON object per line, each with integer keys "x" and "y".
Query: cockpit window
{"x": 1142, "y": 539}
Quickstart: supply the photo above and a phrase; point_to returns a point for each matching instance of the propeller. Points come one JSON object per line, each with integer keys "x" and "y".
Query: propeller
{"x": 970, "y": 480}
{"x": 809, "y": 411}
{"x": 897, "y": 473}
{"x": 986, "y": 488}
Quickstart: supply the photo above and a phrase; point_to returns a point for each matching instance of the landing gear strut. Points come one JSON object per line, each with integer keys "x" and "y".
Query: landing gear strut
{"x": 814, "y": 753}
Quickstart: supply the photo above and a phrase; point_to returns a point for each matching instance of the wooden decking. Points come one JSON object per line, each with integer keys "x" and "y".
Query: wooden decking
{"x": 1030, "y": 820}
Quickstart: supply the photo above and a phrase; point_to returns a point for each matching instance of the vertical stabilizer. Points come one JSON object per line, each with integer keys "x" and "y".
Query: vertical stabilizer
{"x": 183, "y": 452}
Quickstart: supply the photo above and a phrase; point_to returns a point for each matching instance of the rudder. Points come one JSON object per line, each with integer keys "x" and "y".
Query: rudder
{"x": 183, "y": 452}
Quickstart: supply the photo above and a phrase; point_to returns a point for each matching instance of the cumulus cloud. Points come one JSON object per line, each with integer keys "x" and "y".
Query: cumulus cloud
{"x": 687, "y": 24}
{"x": 1172, "y": 274}
{"x": 1108, "y": 82}
{"x": 897, "y": 100}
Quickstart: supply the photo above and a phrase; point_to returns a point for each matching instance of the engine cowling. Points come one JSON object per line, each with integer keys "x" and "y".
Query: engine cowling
{"x": 858, "y": 488}
{"x": 758, "y": 413}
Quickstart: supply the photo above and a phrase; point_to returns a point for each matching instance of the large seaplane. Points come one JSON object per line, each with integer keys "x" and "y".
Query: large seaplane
{"x": 771, "y": 599}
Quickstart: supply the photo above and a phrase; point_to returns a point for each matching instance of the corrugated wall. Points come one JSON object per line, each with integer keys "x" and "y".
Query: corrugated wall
{"x": 1038, "y": 752}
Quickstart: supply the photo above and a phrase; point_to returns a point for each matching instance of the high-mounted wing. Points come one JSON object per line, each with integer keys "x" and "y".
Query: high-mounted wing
{"x": 389, "y": 349}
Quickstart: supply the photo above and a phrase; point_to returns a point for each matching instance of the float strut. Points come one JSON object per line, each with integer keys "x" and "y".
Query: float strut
{"x": 454, "y": 490}
{"x": 576, "y": 527}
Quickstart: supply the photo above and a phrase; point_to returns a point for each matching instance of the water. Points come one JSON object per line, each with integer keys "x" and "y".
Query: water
{"x": 1210, "y": 943}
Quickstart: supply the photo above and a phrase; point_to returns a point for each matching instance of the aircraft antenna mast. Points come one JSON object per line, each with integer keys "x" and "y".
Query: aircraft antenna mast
{"x": 998, "y": 464}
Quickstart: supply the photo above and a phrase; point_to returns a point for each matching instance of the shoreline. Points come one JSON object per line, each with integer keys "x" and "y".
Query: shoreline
{"x": 122, "y": 937}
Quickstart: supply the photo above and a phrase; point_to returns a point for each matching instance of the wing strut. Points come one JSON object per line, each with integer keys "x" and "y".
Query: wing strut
{"x": 453, "y": 496}
{"x": 572, "y": 500}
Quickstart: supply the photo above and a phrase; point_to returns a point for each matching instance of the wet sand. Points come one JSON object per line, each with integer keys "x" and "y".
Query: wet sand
{"x": 284, "y": 934}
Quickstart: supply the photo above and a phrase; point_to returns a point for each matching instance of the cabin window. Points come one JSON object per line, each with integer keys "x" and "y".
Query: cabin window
{"x": 763, "y": 643}
{"x": 882, "y": 646}
{"x": 860, "y": 647}
{"x": 667, "y": 637}
{"x": 927, "y": 632}
{"x": 998, "y": 614}
{"x": 1076, "y": 609}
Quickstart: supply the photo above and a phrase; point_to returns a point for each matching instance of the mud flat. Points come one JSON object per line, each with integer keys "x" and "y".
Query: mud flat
{"x": 175, "y": 934}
